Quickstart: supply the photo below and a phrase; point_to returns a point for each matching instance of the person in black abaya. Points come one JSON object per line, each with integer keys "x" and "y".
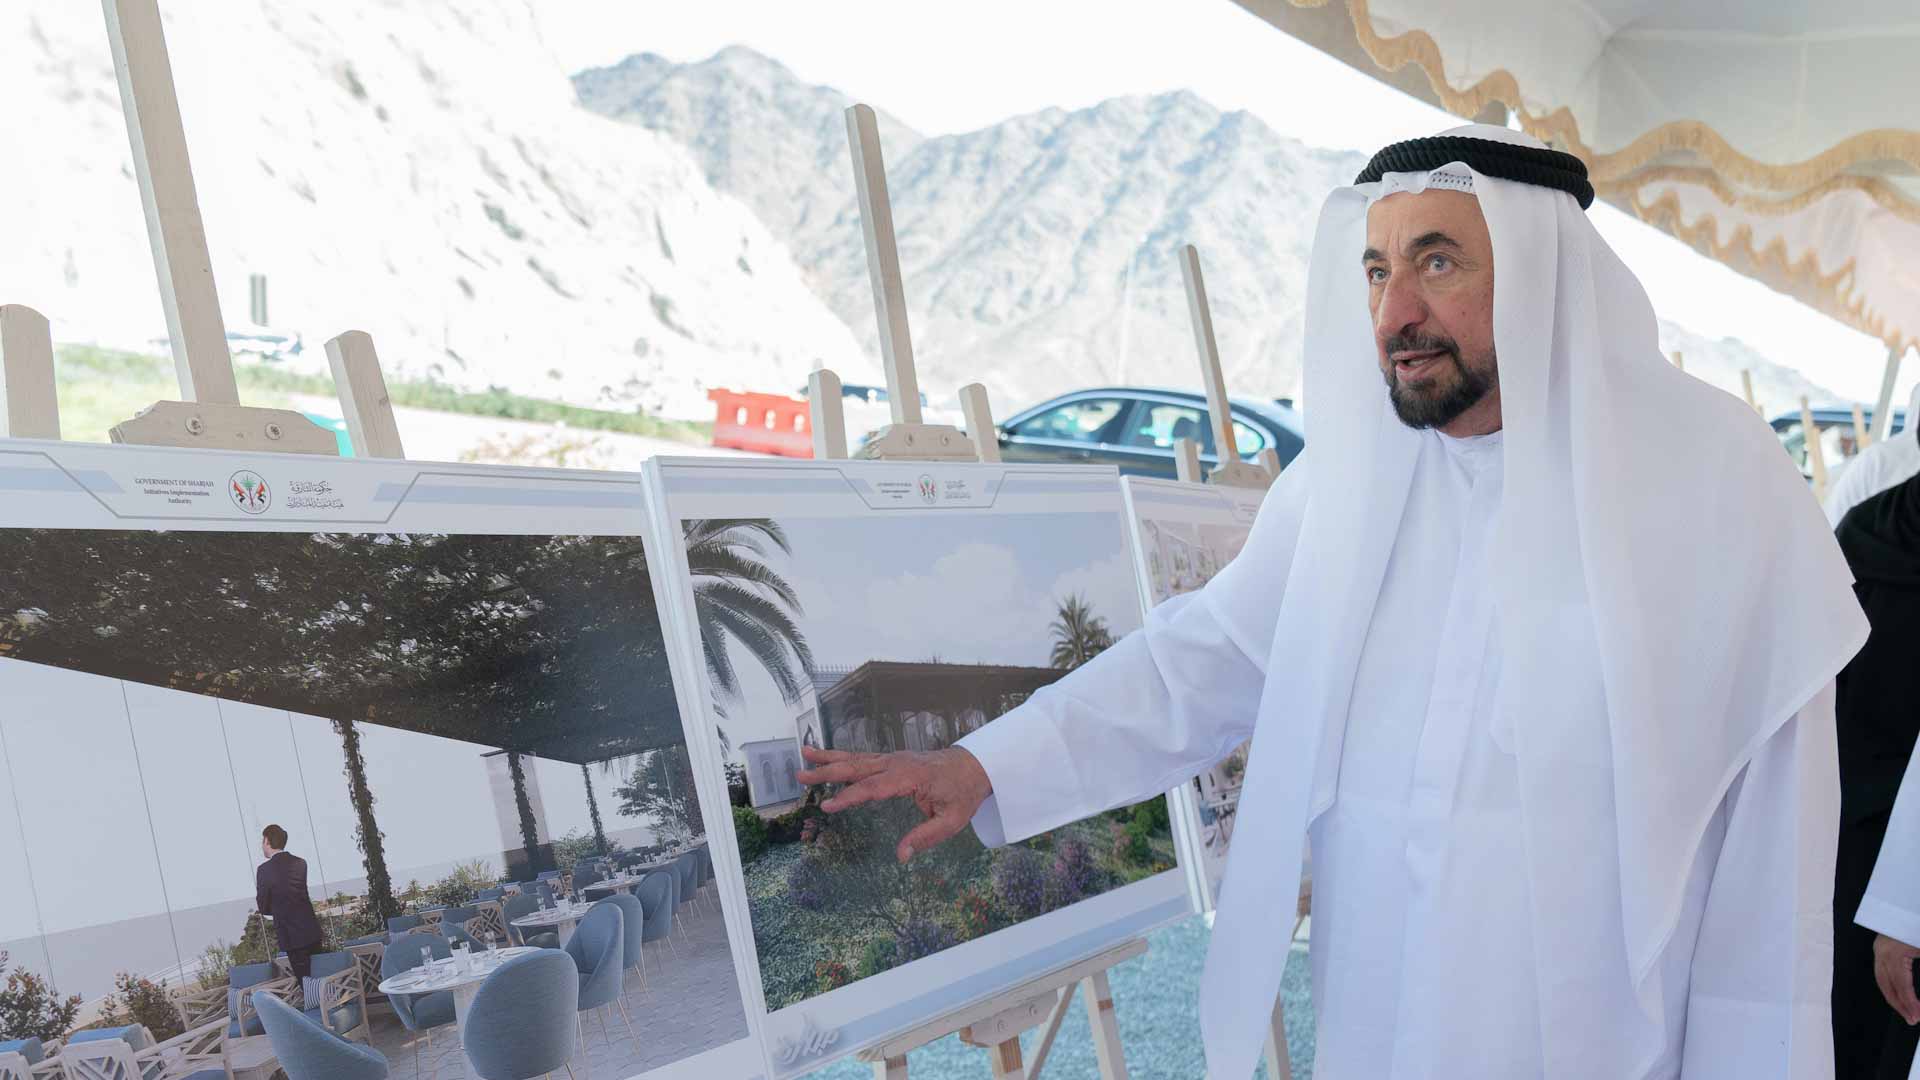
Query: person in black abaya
{"x": 1878, "y": 713}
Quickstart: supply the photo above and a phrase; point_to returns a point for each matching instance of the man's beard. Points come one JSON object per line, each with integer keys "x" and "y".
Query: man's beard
{"x": 1435, "y": 403}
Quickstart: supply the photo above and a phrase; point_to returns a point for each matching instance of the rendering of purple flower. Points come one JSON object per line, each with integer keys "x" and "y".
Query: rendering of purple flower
{"x": 922, "y": 938}
{"x": 1019, "y": 879}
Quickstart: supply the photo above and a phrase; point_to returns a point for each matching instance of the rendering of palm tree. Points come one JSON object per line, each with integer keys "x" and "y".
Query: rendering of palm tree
{"x": 737, "y": 595}
{"x": 1078, "y": 634}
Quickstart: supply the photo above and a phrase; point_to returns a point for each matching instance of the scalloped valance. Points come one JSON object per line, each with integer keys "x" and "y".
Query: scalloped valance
{"x": 1782, "y": 139}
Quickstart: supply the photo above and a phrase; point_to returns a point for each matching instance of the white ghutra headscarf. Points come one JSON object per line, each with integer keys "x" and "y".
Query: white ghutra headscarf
{"x": 1670, "y": 596}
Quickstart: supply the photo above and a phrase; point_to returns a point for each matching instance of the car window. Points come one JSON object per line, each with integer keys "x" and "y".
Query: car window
{"x": 1248, "y": 438}
{"x": 1156, "y": 425}
{"x": 1077, "y": 421}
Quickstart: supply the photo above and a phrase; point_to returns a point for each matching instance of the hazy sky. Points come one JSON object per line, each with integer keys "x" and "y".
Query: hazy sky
{"x": 968, "y": 589}
{"x": 945, "y": 68}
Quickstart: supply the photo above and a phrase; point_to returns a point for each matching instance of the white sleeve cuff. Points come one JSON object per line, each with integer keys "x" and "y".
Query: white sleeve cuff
{"x": 1035, "y": 785}
{"x": 987, "y": 825}
{"x": 1883, "y": 918}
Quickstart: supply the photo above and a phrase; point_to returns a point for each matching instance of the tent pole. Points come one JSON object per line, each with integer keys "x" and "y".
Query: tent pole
{"x": 1883, "y": 408}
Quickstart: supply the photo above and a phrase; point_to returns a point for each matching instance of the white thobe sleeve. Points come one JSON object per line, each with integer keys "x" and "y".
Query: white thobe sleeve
{"x": 1892, "y": 903}
{"x": 1163, "y": 703}
{"x": 1758, "y": 1007}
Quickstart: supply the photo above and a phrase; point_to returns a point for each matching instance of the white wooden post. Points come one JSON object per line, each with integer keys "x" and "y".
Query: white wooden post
{"x": 179, "y": 239}
{"x": 1862, "y": 438}
{"x": 827, "y": 416}
{"x": 1186, "y": 462}
{"x": 1679, "y": 361}
{"x": 1229, "y": 468}
{"x": 1746, "y": 385}
{"x": 907, "y": 438}
{"x": 1816, "y": 453}
{"x": 1105, "y": 1029}
{"x": 1269, "y": 461}
{"x": 979, "y": 419}
{"x": 883, "y": 264}
{"x": 1883, "y": 408}
{"x": 29, "y": 409}
{"x": 363, "y": 396}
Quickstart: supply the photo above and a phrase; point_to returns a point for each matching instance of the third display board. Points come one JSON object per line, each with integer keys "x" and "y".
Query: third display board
{"x": 873, "y": 606}
{"x": 1184, "y": 534}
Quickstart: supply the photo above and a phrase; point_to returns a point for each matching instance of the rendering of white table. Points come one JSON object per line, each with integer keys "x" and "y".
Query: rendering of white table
{"x": 562, "y": 918}
{"x": 448, "y": 975}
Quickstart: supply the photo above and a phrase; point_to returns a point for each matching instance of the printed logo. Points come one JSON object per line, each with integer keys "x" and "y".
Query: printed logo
{"x": 811, "y": 1042}
{"x": 928, "y": 492}
{"x": 250, "y": 492}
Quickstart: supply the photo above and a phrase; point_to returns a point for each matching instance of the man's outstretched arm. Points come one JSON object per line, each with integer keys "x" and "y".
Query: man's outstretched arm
{"x": 1136, "y": 721}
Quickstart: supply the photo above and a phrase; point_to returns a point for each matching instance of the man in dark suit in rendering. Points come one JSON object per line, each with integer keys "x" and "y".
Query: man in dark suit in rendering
{"x": 280, "y": 888}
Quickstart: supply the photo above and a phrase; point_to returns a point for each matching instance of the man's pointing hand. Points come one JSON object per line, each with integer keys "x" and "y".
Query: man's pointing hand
{"x": 947, "y": 786}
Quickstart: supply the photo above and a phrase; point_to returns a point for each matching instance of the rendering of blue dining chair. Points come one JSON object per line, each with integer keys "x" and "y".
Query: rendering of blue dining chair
{"x": 598, "y": 948}
{"x": 308, "y": 1051}
{"x": 418, "y": 1013}
{"x": 515, "y": 907}
{"x": 633, "y": 921}
{"x": 524, "y": 1020}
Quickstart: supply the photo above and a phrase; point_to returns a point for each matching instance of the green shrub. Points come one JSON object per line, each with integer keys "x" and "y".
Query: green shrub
{"x": 461, "y": 886}
{"x": 1131, "y": 846}
{"x": 29, "y": 1008}
{"x": 751, "y": 831}
{"x": 787, "y": 828}
{"x": 877, "y": 957}
{"x": 1152, "y": 815}
{"x": 140, "y": 1001}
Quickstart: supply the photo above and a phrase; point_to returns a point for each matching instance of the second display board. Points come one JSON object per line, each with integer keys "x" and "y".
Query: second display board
{"x": 872, "y": 606}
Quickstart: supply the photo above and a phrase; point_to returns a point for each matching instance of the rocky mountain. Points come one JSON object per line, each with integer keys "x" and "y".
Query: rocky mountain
{"x": 421, "y": 171}
{"x": 1039, "y": 254}
{"x": 630, "y": 237}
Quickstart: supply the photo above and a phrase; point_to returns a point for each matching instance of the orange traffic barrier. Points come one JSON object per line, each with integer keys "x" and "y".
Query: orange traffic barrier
{"x": 762, "y": 423}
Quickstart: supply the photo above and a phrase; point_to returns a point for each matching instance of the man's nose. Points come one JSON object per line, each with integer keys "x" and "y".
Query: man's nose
{"x": 1401, "y": 309}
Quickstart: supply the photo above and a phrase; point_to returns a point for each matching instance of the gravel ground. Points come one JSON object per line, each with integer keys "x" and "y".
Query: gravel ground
{"x": 1155, "y": 998}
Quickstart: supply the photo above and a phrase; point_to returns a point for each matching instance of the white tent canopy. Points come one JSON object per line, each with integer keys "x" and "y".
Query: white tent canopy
{"x": 1779, "y": 138}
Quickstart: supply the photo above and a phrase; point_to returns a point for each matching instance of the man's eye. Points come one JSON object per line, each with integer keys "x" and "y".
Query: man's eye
{"x": 1376, "y": 275}
{"x": 1438, "y": 263}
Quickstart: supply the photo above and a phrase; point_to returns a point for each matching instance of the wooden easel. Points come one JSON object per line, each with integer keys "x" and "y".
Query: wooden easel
{"x": 1230, "y": 472}
{"x": 997, "y": 1023}
{"x": 210, "y": 416}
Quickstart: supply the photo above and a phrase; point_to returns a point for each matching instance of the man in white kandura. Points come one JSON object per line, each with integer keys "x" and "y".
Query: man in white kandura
{"x": 1537, "y": 642}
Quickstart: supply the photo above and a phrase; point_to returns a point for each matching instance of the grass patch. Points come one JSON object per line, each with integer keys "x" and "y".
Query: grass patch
{"x": 98, "y": 388}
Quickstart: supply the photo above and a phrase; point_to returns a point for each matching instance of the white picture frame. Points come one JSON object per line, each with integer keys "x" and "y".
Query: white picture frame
{"x": 1184, "y": 534}
{"x": 804, "y": 1035}
{"x": 78, "y": 486}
